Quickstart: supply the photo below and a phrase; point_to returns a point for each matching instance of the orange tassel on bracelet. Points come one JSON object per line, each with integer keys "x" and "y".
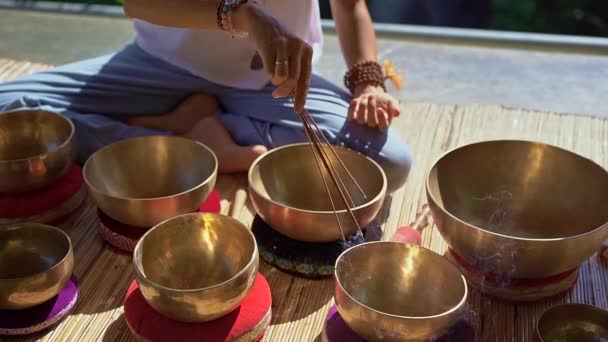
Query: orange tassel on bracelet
{"x": 393, "y": 75}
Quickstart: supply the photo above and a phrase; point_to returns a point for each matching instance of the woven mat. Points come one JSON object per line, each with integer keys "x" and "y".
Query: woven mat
{"x": 300, "y": 305}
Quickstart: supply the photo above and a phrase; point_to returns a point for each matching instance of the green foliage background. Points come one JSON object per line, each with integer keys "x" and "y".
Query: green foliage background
{"x": 580, "y": 17}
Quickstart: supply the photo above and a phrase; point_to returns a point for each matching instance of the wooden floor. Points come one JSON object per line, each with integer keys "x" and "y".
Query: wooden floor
{"x": 300, "y": 305}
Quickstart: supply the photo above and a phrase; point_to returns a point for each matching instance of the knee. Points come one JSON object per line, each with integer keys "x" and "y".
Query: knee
{"x": 396, "y": 160}
{"x": 393, "y": 155}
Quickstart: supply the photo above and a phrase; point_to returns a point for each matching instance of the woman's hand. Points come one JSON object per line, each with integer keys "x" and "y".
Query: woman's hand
{"x": 287, "y": 59}
{"x": 374, "y": 107}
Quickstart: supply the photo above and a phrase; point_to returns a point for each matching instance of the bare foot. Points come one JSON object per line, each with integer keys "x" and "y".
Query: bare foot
{"x": 183, "y": 117}
{"x": 231, "y": 157}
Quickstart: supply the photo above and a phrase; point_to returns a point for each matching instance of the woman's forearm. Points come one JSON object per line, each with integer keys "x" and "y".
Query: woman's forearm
{"x": 355, "y": 30}
{"x": 191, "y": 14}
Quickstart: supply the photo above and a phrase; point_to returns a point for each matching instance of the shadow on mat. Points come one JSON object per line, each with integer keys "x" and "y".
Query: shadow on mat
{"x": 118, "y": 331}
{"x": 103, "y": 286}
{"x": 295, "y": 298}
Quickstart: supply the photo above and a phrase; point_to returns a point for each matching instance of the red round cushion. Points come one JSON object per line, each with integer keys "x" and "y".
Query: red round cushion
{"x": 124, "y": 237}
{"x": 248, "y": 322}
{"x": 211, "y": 205}
{"x": 34, "y": 203}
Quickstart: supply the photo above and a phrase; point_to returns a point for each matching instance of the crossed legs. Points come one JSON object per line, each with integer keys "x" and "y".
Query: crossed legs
{"x": 196, "y": 118}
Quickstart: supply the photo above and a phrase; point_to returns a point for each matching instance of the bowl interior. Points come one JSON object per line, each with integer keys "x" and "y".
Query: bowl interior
{"x": 290, "y": 177}
{"x": 574, "y": 322}
{"x": 26, "y": 134}
{"x": 400, "y": 279}
{"x": 195, "y": 251}
{"x": 521, "y": 189}
{"x": 149, "y": 167}
{"x": 29, "y": 249}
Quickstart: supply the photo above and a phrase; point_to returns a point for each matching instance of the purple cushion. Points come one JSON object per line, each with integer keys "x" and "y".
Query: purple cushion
{"x": 336, "y": 330}
{"x": 38, "y": 318}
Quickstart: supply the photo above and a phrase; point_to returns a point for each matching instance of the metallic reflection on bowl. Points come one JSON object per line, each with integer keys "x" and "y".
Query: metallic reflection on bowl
{"x": 288, "y": 192}
{"x": 393, "y": 291}
{"x": 196, "y": 267}
{"x": 36, "y": 149}
{"x": 146, "y": 180}
{"x": 519, "y": 209}
{"x": 36, "y": 261}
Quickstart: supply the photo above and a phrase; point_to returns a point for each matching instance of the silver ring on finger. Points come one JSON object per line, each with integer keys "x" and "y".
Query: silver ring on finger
{"x": 283, "y": 62}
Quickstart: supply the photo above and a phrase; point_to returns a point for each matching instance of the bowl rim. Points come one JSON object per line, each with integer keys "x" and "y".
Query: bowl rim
{"x": 61, "y": 146}
{"x": 452, "y": 310}
{"x": 198, "y": 186}
{"x": 445, "y": 211}
{"x": 563, "y": 305}
{"x": 368, "y": 203}
{"x": 47, "y": 227}
{"x": 140, "y": 274}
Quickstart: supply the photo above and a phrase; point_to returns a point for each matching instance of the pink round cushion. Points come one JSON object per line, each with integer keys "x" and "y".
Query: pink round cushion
{"x": 54, "y": 197}
{"x": 246, "y": 323}
{"x": 125, "y": 237}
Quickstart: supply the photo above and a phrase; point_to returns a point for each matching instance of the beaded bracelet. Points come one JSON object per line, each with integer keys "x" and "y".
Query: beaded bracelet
{"x": 371, "y": 73}
{"x": 224, "y": 16}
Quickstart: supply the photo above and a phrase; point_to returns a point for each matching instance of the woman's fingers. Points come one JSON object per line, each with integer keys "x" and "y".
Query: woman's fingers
{"x": 372, "y": 115}
{"x": 362, "y": 110}
{"x": 281, "y": 62}
{"x": 303, "y": 77}
{"x": 393, "y": 108}
{"x": 295, "y": 59}
{"x": 352, "y": 110}
{"x": 300, "y": 69}
{"x": 383, "y": 119}
{"x": 287, "y": 83}
{"x": 287, "y": 59}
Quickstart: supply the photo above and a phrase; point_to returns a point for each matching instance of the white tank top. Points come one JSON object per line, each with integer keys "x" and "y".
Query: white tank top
{"x": 219, "y": 58}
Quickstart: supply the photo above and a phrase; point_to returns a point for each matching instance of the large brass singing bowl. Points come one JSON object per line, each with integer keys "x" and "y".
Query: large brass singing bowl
{"x": 196, "y": 267}
{"x": 36, "y": 149}
{"x": 393, "y": 291}
{"x": 573, "y": 323}
{"x": 146, "y": 180}
{"x": 519, "y": 209}
{"x": 36, "y": 261}
{"x": 288, "y": 192}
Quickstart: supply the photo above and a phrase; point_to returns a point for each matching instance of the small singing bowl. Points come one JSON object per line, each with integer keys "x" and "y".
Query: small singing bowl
{"x": 289, "y": 193}
{"x": 36, "y": 261}
{"x": 146, "y": 180}
{"x": 573, "y": 323}
{"x": 196, "y": 267}
{"x": 36, "y": 148}
{"x": 395, "y": 291}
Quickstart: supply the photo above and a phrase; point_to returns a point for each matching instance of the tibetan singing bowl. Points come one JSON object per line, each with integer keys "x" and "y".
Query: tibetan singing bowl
{"x": 36, "y": 149}
{"x": 288, "y": 192}
{"x": 36, "y": 261}
{"x": 573, "y": 323}
{"x": 519, "y": 209}
{"x": 146, "y": 180}
{"x": 196, "y": 267}
{"x": 393, "y": 291}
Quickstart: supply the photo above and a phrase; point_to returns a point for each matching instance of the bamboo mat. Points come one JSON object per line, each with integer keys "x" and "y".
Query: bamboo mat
{"x": 299, "y": 305}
